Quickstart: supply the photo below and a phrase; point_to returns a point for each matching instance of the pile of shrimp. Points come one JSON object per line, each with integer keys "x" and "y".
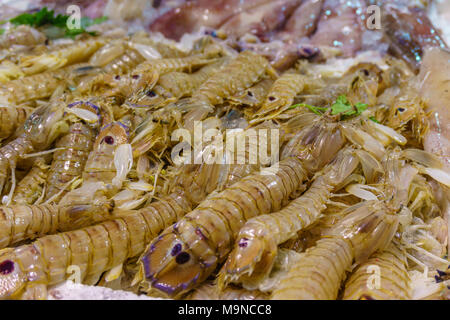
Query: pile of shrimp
{"x": 349, "y": 198}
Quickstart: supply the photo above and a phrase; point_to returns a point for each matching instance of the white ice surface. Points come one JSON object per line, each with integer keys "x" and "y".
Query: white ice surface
{"x": 73, "y": 291}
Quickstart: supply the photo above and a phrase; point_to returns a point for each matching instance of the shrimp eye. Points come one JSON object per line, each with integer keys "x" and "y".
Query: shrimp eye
{"x": 117, "y": 77}
{"x": 6, "y": 267}
{"x": 401, "y": 109}
{"x": 272, "y": 98}
{"x": 365, "y": 71}
{"x": 182, "y": 258}
{"x": 243, "y": 243}
{"x": 176, "y": 249}
{"x": 135, "y": 76}
{"x": 250, "y": 94}
{"x": 109, "y": 140}
{"x": 151, "y": 94}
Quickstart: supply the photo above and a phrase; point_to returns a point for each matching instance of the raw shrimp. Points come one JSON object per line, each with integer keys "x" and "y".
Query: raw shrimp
{"x": 280, "y": 96}
{"x": 22, "y": 222}
{"x": 174, "y": 85}
{"x": 11, "y": 118}
{"x": 319, "y": 273}
{"x": 75, "y": 53}
{"x": 69, "y": 163}
{"x": 31, "y": 187}
{"x": 100, "y": 163}
{"x": 93, "y": 249}
{"x": 240, "y": 73}
{"x": 41, "y": 128}
{"x": 124, "y": 63}
{"x": 394, "y": 282}
{"x": 21, "y": 35}
{"x": 366, "y": 227}
{"x": 253, "y": 96}
{"x": 149, "y": 71}
{"x": 256, "y": 245}
{"x": 209, "y": 291}
{"x": 189, "y": 251}
{"x": 38, "y": 86}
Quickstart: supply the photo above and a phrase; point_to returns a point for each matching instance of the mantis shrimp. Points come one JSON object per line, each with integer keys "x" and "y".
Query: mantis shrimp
{"x": 174, "y": 85}
{"x": 95, "y": 249}
{"x": 253, "y": 96}
{"x": 281, "y": 96}
{"x": 367, "y": 227}
{"x": 12, "y": 118}
{"x": 41, "y": 85}
{"x": 21, "y": 35}
{"x": 258, "y": 240}
{"x": 394, "y": 283}
{"x": 75, "y": 53}
{"x": 68, "y": 163}
{"x": 31, "y": 187}
{"x": 188, "y": 252}
{"x": 43, "y": 126}
{"x": 240, "y": 73}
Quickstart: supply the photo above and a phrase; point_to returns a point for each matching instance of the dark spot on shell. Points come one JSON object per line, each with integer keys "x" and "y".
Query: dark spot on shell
{"x": 151, "y": 94}
{"x": 401, "y": 109}
{"x": 117, "y": 77}
{"x": 243, "y": 243}
{"x": 135, "y": 76}
{"x": 272, "y": 98}
{"x": 441, "y": 273}
{"x": 366, "y": 72}
{"x": 200, "y": 233}
{"x": 6, "y": 267}
{"x": 182, "y": 257}
{"x": 176, "y": 249}
{"x": 249, "y": 93}
{"x": 109, "y": 140}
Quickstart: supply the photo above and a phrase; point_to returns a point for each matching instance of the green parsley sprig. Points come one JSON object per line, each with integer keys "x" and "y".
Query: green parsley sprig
{"x": 341, "y": 107}
{"x": 45, "y": 17}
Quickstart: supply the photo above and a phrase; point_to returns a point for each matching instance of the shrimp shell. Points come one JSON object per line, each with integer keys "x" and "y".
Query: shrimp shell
{"x": 209, "y": 291}
{"x": 253, "y": 96}
{"x": 37, "y": 86}
{"x": 124, "y": 63}
{"x": 69, "y": 163}
{"x": 394, "y": 278}
{"x": 30, "y": 188}
{"x": 94, "y": 249}
{"x": 174, "y": 85}
{"x": 22, "y": 35}
{"x": 22, "y": 222}
{"x": 281, "y": 96}
{"x": 100, "y": 163}
{"x": 256, "y": 245}
{"x": 319, "y": 273}
{"x": 12, "y": 118}
{"x": 75, "y": 53}
{"x": 332, "y": 257}
{"x": 239, "y": 74}
{"x": 203, "y": 238}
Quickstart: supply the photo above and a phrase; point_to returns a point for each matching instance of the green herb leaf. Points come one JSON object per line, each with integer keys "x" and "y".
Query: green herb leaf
{"x": 344, "y": 107}
{"x": 2, "y": 31}
{"x": 316, "y": 110}
{"x": 374, "y": 119}
{"x": 40, "y": 18}
{"x": 48, "y": 17}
